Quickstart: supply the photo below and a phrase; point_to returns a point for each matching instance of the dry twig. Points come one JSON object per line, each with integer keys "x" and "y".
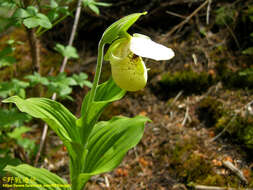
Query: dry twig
{"x": 176, "y": 14}
{"x": 204, "y": 187}
{"x": 208, "y": 11}
{"x": 230, "y": 122}
{"x": 234, "y": 169}
{"x": 187, "y": 19}
{"x": 174, "y": 101}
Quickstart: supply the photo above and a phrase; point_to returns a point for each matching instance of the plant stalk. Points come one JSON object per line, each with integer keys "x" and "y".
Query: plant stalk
{"x": 74, "y": 181}
{"x": 85, "y": 134}
{"x": 97, "y": 74}
{"x": 34, "y": 49}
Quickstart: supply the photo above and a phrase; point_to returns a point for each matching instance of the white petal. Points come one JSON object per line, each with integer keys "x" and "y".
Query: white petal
{"x": 145, "y": 47}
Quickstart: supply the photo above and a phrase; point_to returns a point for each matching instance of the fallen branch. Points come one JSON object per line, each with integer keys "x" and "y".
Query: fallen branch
{"x": 204, "y": 187}
{"x": 235, "y": 170}
{"x": 186, "y": 20}
{"x": 65, "y": 60}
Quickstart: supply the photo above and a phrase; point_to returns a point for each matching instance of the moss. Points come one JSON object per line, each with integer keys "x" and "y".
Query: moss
{"x": 240, "y": 129}
{"x": 189, "y": 81}
{"x": 180, "y": 152}
{"x": 197, "y": 82}
{"x": 186, "y": 164}
{"x": 237, "y": 79}
{"x": 210, "y": 110}
{"x": 196, "y": 168}
{"x": 212, "y": 113}
{"x": 241, "y": 78}
{"x": 214, "y": 180}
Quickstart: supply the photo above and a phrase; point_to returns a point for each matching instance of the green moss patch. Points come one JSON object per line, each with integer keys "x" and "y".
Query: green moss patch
{"x": 189, "y": 81}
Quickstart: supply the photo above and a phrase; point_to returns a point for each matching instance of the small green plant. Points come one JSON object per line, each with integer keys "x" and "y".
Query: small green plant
{"x": 96, "y": 147}
{"x": 225, "y": 15}
{"x": 93, "y": 5}
{"x": 6, "y": 58}
{"x": 14, "y": 87}
{"x": 12, "y": 128}
{"x": 60, "y": 84}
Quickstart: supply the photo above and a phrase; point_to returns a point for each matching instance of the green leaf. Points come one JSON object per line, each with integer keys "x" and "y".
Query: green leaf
{"x": 71, "y": 52}
{"x": 7, "y": 61}
{"x": 94, "y": 8}
{"x": 15, "y": 87}
{"x": 81, "y": 80}
{"x": 61, "y": 90}
{"x": 44, "y": 21}
{"x": 68, "y": 51}
{"x": 53, "y": 113}
{"x": 224, "y": 15}
{"x": 87, "y": 2}
{"x": 32, "y": 10}
{"x": 60, "y": 48}
{"x": 106, "y": 93}
{"x": 21, "y": 13}
{"x": 38, "y": 19}
{"x": 246, "y": 72}
{"x": 52, "y": 15}
{"x": 8, "y": 4}
{"x": 6, "y": 51}
{"x": 18, "y": 131}
{"x": 109, "y": 142}
{"x": 31, "y": 22}
{"x": 12, "y": 117}
{"x": 28, "y": 145}
{"x": 41, "y": 177}
{"x": 119, "y": 27}
{"x": 53, "y": 4}
{"x": 248, "y": 51}
{"x": 62, "y": 122}
{"x": 36, "y": 78}
{"x": 61, "y": 85}
{"x": 7, "y": 160}
{"x": 102, "y": 4}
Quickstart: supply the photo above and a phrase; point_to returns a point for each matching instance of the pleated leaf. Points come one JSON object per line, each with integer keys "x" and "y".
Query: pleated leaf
{"x": 55, "y": 115}
{"x": 106, "y": 93}
{"x": 38, "y": 178}
{"x": 108, "y": 143}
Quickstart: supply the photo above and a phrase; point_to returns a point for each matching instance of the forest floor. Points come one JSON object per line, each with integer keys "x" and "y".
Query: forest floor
{"x": 185, "y": 146}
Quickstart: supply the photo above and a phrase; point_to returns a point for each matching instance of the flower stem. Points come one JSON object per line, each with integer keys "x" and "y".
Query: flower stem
{"x": 97, "y": 74}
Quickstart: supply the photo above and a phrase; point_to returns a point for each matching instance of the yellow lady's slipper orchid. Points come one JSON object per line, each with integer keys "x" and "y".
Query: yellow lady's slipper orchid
{"x": 128, "y": 69}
